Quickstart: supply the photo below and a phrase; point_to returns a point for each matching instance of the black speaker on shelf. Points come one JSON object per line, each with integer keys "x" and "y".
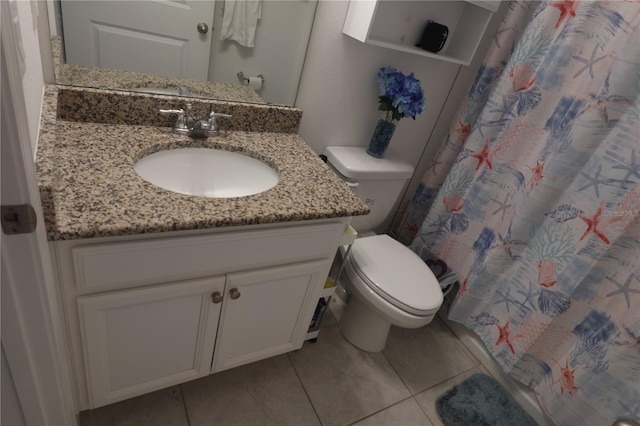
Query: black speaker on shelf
{"x": 434, "y": 37}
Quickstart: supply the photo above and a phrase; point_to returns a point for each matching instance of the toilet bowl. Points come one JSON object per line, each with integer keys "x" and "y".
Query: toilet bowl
{"x": 389, "y": 285}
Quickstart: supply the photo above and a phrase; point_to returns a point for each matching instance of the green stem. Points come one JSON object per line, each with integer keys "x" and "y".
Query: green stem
{"x": 389, "y": 116}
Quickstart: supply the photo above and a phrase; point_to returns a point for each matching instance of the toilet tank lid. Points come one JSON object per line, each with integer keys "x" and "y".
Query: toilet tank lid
{"x": 354, "y": 162}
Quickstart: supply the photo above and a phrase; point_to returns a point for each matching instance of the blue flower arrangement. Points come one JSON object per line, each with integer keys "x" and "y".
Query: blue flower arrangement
{"x": 400, "y": 95}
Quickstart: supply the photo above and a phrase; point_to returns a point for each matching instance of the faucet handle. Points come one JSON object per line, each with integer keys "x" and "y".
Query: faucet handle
{"x": 212, "y": 120}
{"x": 181, "y": 120}
{"x": 218, "y": 114}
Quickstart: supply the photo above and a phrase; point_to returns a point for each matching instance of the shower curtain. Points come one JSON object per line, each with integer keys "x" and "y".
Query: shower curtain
{"x": 533, "y": 199}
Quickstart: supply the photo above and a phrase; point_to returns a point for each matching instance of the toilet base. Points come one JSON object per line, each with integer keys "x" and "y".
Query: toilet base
{"x": 363, "y": 327}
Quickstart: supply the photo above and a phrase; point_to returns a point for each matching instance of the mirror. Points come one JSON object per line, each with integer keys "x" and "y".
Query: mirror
{"x": 148, "y": 46}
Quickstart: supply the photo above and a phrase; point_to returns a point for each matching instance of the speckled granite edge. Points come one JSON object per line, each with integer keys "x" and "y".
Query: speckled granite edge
{"x": 114, "y": 107}
{"x": 56, "y": 53}
{"x": 97, "y": 193}
{"x": 45, "y": 170}
{"x": 88, "y": 187}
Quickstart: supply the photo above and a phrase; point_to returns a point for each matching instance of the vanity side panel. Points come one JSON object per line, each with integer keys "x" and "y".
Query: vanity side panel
{"x": 68, "y": 296}
{"x": 79, "y": 393}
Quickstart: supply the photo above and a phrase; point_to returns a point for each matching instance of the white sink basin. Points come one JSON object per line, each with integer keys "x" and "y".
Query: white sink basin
{"x": 207, "y": 172}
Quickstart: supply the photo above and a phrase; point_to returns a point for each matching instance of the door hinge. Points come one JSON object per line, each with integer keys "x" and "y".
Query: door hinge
{"x": 19, "y": 219}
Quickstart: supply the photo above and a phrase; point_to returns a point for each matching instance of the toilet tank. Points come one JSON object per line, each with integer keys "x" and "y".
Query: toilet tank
{"x": 377, "y": 181}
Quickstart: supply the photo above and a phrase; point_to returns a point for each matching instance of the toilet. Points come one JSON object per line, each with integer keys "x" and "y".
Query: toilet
{"x": 387, "y": 282}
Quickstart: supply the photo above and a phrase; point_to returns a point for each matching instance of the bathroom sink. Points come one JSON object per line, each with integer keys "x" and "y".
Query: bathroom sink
{"x": 207, "y": 172}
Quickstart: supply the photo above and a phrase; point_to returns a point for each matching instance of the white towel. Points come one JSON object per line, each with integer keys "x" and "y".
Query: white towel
{"x": 240, "y": 21}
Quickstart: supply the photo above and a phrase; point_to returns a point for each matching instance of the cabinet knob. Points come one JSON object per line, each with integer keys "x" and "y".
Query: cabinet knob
{"x": 216, "y": 297}
{"x": 234, "y": 293}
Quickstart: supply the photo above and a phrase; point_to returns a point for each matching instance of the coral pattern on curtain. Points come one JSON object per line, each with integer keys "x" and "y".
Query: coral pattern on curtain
{"x": 534, "y": 200}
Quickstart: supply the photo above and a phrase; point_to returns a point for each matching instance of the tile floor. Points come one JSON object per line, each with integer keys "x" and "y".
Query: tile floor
{"x": 329, "y": 382}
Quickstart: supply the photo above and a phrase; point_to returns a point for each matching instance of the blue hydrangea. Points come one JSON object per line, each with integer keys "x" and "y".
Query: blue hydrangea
{"x": 400, "y": 96}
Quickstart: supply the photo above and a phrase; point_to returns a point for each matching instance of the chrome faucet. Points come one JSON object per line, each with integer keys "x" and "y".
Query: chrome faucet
{"x": 196, "y": 128}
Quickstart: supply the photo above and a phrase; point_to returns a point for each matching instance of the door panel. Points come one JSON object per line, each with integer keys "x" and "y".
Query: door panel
{"x": 137, "y": 341}
{"x": 32, "y": 345}
{"x": 271, "y": 314}
{"x": 134, "y": 50}
{"x": 157, "y": 37}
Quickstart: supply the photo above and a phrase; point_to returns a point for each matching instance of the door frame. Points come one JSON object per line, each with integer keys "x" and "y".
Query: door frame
{"x": 31, "y": 327}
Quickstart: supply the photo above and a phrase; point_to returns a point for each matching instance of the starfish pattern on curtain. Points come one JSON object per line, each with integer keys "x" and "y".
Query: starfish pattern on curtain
{"x": 533, "y": 199}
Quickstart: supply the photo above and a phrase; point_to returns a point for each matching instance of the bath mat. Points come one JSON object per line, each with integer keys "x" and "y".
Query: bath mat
{"x": 479, "y": 401}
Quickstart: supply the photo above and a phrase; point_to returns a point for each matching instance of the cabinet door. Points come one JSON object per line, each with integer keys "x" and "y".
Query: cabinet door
{"x": 266, "y": 312}
{"x": 138, "y": 341}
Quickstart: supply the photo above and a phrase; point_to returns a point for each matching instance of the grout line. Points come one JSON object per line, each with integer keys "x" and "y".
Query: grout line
{"x": 369, "y": 415}
{"x": 397, "y": 373}
{"x": 445, "y": 323}
{"x": 451, "y": 378}
{"x": 184, "y": 404}
{"x": 458, "y": 342}
{"x": 438, "y": 384}
{"x": 381, "y": 410}
{"x": 293, "y": 364}
{"x": 425, "y": 413}
{"x": 455, "y": 337}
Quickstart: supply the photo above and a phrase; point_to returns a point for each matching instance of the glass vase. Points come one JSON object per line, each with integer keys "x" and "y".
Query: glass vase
{"x": 381, "y": 137}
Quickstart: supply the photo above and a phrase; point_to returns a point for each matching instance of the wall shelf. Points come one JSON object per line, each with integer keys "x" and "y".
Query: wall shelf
{"x": 398, "y": 25}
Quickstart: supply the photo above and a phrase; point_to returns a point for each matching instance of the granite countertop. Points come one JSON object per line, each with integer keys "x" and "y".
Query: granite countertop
{"x": 89, "y": 188}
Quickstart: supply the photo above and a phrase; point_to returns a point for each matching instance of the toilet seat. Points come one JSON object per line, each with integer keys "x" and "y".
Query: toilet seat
{"x": 382, "y": 263}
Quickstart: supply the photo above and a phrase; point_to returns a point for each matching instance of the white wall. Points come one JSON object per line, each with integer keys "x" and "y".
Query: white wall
{"x": 280, "y": 46}
{"x": 339, "y": 93}
{"x": 54, "y": 13}
{"x": 31, "y": 69}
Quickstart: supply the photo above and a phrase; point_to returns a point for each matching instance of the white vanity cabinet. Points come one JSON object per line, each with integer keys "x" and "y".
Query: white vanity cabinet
{"x": 138, "y": 341}
{"x": 150, "y": 311}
